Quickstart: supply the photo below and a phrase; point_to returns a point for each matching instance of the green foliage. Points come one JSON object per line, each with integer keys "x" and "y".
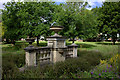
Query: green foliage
{"x": 76, "y": 21}
{"x": 107, "y": 68}
{"x": 11, "y": 63}
{"x": 2, "y": 30}
{"x": 27, "y": 19}
{"x": 42, "y": 44}
{"x": 34, "y": 18}
{"x": 104, "y": 71}
{"x": 66, "y": 68}
{"x": 18, "y": 47}
{"x": 89, "y": 25}
{"x": 109, "y": 19}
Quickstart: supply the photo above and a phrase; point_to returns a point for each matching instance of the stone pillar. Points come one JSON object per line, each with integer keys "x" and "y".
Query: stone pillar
{"x": 58, "y": 55}
{"x": 54, "y": 56}
{"x": 74, "y": 48}
{"x": 56, "y": 43}
{"x": 30, "y": 56}
{"x": 74, "y": 51}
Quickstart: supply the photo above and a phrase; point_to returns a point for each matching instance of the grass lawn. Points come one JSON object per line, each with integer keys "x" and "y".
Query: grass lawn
{"x": 103, "y": 47}
{"x": 106, "y": 48}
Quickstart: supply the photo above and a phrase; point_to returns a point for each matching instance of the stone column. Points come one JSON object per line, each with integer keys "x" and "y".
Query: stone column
{"x": 74, "y": 48}
{"x": 54, "y": 56}
{"x": 30, "y": 57}
{"x": 58, "y": 55}
{"x": 74, "y": 51}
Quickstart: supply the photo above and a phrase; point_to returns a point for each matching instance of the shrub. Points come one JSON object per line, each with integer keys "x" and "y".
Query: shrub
{"x": 42, "y": 44}
{"x": 103, "y": 71}
{"x": 107, "y": 68}
{"x": 92, "y": 57}
{"x": 8, "y": 68}
{"x": 66, "y": 68}
{"x": 11, "y": 63}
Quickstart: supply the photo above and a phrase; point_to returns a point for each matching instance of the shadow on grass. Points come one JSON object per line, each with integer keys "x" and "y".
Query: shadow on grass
{"x": 82, "y": 45}
{"x": 103, "y": 43}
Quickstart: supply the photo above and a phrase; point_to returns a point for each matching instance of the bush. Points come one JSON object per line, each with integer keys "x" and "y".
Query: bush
{"x": 17, "y": 59}
{"x": 66, "y": 68}
{"x": 11, "y": 63}
{"x": 43, "y": 44}
{"x": 107, "y": 68}
{"x": 8, "y": 68}
{"x": 103, "y": 71}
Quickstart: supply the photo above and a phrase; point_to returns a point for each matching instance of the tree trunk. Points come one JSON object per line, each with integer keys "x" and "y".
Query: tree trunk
{"x": 114, "y": 40}
{"x": 7, "y": 41}
{"x": 13, "y": 42}
{"x": 73, "y": 40}
{"x": 37, "y": 40}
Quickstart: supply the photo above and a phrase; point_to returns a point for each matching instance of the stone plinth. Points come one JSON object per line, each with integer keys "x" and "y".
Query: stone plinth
{"x": 58, "y": 54}
{"x": 30, "y": 57}
{"x": 56, "y": 43}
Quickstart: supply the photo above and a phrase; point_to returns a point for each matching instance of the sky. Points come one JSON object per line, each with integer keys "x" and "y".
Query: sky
{"x": 92, "y": 3}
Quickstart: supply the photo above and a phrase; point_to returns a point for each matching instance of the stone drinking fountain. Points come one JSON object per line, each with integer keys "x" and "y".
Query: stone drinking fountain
{"x": 55, "y": 51}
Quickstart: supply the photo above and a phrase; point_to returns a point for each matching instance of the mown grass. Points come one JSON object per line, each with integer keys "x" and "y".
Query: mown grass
{"x": 106, "y": 50}
{"x": 89, "y": 54}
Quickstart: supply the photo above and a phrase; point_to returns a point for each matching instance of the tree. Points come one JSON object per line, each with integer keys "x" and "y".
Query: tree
{"x": 77, "y": 21}
{"x": 11, "y": 22}
{"x": 40, "y": 16}
{"x": 27, "y": 19}
{"x": 88, "y": 24}
{"x": 109, "y": 22}
{"x": 2, "y": 30}
{"x": 44, "y": 13}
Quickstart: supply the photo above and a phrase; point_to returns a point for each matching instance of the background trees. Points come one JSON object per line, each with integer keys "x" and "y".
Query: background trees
{"x": 109, "y": 19}
{"x": 27, "y": 19}
{"x": 40, "y": 16}
{"x": 2, "y": 30}
{"x": 77, "y": 21}
{"x": 34, "y": 18}
{"x": 11, "y": 22}
{"x": 22, "y": 19}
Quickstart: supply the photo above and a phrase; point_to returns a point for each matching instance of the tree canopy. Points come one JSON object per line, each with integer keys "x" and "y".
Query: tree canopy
{"x": 23, "y": 19}
{"x": 109, "y": 19}
{"x": 77, "y": 20}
